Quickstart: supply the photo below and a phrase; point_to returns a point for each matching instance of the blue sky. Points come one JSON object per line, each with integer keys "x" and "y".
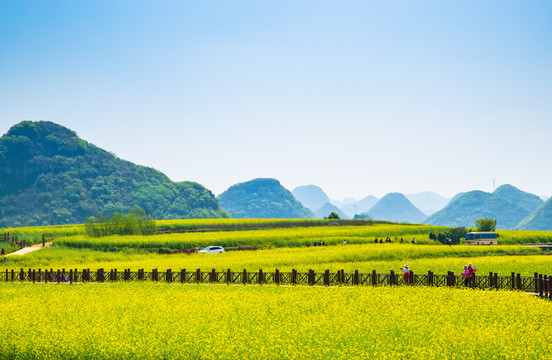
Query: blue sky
{"x": 357, "y": 97}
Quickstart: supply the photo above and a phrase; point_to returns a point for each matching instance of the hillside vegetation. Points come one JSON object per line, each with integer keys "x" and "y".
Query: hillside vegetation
{"x": 262, "y": 198}
{"x": 507, "y": 204}
{"x": 540, "y": 219}
{"x": 51, "y": 176}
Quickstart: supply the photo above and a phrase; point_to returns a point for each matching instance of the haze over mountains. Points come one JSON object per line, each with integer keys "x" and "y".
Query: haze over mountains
{"x": 50, "y": 176}
{"x": 511, "y": 207}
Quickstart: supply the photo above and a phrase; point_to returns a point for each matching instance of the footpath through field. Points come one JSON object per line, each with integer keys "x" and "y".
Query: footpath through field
{"x": 29, "y": 249}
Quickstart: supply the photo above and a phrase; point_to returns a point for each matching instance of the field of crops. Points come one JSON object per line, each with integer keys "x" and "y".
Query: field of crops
{"x": 364, "y": 257}
{"x": 153, "y": 321}
{"x": 292, "y": 237}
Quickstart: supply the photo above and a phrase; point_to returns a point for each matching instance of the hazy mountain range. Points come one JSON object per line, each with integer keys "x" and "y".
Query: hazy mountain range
{"x": 48, "y": 175}
{"x": 511, "y": 207}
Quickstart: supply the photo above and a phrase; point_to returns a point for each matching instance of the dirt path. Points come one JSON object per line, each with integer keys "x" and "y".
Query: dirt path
{"x": 29, "y": 249}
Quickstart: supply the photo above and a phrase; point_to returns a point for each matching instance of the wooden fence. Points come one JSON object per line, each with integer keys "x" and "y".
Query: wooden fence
{"x": 6, "y": 237}
{"x": 538, "y": 284}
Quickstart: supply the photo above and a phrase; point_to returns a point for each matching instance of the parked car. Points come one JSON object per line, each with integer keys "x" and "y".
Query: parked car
{"x": 212, "y": 250}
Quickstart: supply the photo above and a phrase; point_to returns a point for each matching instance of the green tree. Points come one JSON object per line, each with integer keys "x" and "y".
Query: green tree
{"x": 333, "y": 215}
{"x": 485, "y": 224}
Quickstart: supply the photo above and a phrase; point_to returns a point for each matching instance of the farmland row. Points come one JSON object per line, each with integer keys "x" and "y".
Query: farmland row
{"x": 213, "y": 322}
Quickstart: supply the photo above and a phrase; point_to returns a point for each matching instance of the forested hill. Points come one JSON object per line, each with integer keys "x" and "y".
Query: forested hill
{"x": 507, "y": 204}
{"x": 48, "y": 175}
{"x": 262, "y": 198}
{"x": 540, "y": 219}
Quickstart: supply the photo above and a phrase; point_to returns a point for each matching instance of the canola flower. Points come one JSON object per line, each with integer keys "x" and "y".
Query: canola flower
{"x": 363, "y": 257}
{"x": 153, "y": 321}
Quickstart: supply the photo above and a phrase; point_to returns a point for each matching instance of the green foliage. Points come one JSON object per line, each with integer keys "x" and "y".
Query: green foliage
{"x": 333, "y": 215}
{"x": 508, "y": 205}
{"x": 49, "y": 176}
{"x": 262, "y": 198}
{"x": 454, "y": 234}
{"x": 540, "y": 219}
{"x": 485, "y": 224}
{"x": 137, "y": 222}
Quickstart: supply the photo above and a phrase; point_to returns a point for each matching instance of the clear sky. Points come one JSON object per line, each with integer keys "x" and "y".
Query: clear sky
{"x": 357, "y": 97}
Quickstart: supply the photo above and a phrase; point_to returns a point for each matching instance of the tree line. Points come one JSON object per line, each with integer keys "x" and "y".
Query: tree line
{"x": 135, "y": 222}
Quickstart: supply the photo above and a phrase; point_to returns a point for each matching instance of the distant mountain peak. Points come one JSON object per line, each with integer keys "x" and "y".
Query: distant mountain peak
{"x": 311, "y": 196}
{"x": 507, "y": 204}
{"x": 397, "y": 208}
{"x": 262, "y": 198}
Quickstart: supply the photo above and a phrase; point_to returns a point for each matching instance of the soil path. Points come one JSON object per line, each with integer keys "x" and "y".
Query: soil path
{"x": 29, "y": 249}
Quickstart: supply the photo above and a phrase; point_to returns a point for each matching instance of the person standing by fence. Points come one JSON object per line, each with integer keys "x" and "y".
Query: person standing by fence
{"x": 466, "y": 275}
{"x": 472, "y": 271}
{"x": 406, "y": 273}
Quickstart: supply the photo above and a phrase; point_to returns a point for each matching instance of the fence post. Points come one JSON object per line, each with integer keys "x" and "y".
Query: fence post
{"x": 182, "y": 276}
{"x": 168, "y": 276}
{"x": 496, "y": 280}
{"x": 261, "y": 277}
{"x": 546, "y": 287}
{"x": 294, "y": 277}
{"x": 228, "y": 276}
{"x": 213, "y": 276}
{"x": 244, "y": 276}
{"x": 327, "y": 278}
{"x": 429, "y": 278}
{"x": 356, "y": 278}
{"x": 43, "y": 242}
{"x": 34, "y": 276}
{"x": 310, "y": 277}
{"x": 541, "y": 283}
{"x": 392, "y": 277}
{"x": 411, "y": 278}
{"x": 277, "y": 277}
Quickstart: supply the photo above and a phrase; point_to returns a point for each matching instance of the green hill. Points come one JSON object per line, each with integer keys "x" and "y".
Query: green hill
{"x": 51, "y": 176}
{"x": 262, "y": 198}
{"x": 507, "y": 204}
{"x": 397, "y": 208}
{"x": 540, "y": 219}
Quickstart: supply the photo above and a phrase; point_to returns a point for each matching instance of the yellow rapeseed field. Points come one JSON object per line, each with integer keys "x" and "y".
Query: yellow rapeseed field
{"x": 161, "y": 321}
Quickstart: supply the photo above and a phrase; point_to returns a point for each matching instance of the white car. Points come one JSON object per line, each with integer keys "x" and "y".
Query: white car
{"x": 212, "y": 250}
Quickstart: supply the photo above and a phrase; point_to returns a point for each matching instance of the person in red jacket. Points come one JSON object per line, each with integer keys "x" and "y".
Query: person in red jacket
{"x": 466, "y": 276}
{"x": 472, "y": 271}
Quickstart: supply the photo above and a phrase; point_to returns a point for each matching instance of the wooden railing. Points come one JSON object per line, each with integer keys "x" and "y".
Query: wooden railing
{"x": 538, "y": 284}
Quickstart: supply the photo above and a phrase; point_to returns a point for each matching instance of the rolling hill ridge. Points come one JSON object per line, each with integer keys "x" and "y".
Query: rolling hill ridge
{"x": 50, "y": 176}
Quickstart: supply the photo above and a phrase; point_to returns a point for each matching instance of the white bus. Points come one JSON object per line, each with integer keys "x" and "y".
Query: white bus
{"x": 481, "y": 238}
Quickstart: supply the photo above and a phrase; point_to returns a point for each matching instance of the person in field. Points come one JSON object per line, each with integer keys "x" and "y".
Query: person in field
{"x": 472, "y": 271}
{"x": 406, "y": 273}
{"x": 466, "y": 276}
{"x": 3, "y": 251}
